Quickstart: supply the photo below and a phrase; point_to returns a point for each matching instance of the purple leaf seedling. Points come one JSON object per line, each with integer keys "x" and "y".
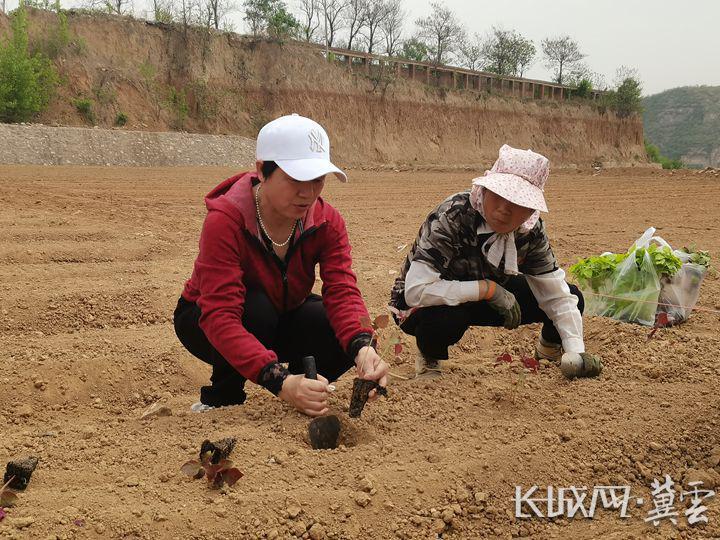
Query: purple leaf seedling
{"x": 504, "y": 358}
{"x": 662, "y": 320}
{"x": 214, "y": 464}
{"x": 390, "y": 336}
{"x": 529, "y": 365}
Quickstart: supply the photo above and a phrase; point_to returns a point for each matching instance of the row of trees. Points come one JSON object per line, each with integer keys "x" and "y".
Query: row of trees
{"x": 378, "y": 26}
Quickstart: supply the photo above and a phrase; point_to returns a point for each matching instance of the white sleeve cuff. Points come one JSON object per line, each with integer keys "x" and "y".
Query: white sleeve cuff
{"x": 469, "y": 291}
{"x": 574, "y": 345}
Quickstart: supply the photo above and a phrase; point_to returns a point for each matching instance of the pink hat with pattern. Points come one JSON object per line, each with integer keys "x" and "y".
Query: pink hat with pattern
{"x": 518, "y": 176}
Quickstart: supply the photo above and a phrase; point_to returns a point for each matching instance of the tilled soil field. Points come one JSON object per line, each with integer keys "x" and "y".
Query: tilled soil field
{"x": 91, "y": 264}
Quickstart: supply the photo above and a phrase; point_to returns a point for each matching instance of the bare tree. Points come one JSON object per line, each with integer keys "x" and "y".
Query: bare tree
{"x": 217, "y": 11}
{"x": 441, "y": 31}
{"x": 332, "y": 11}
{"x": 470, "y": 52}
{"x": 375, "y": 14}
{"x": 2, "y": 6}
{"x": 561, "y": 54}
{"x": 581, "y": 71}
{"x": 115, "y": 7}
{"x": 310, "y": 19}
{"x": 189, "y": 13}
{"x": 354, "y": 18}
{"x": 392, "y": 27}
{"x": 623, "y": 73}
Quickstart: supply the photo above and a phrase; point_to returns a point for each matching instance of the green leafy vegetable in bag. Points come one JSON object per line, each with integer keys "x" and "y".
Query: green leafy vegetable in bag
{"x": 665, "y": 261}
{"x": 595, "y": 270}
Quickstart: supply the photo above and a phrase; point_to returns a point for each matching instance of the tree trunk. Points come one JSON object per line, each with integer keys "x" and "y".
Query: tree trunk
{"x": 560, "y": 72}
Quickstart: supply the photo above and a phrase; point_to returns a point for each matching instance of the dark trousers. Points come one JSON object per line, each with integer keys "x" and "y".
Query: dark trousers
{"x": 437, "y": 327}
{"x": 304, "y": 331}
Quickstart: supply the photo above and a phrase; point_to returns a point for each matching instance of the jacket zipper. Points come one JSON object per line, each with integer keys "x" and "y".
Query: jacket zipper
{"x": 283, "y": 266}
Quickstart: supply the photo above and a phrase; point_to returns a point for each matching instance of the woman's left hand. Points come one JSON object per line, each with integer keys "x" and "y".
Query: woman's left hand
{"x": 370, "y": 366}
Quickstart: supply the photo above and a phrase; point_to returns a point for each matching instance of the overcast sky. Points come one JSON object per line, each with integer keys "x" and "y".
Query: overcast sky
{"x": 670, "y": 42}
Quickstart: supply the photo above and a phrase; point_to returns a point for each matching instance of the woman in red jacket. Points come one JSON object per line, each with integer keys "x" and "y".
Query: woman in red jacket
{"x": 248, "y": 306}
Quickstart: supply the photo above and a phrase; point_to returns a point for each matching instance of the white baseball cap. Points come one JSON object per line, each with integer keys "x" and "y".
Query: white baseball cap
{"x": 299, "y": 146}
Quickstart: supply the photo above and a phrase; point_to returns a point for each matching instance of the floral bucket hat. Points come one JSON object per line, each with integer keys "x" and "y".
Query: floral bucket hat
{"x": 518, "y": 176}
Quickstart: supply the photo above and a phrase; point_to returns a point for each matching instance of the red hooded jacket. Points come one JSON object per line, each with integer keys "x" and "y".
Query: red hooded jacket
{"x": 233, "y": 258}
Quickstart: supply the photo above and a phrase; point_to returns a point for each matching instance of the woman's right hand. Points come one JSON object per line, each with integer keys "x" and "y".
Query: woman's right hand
{"x": 309, "y": 396}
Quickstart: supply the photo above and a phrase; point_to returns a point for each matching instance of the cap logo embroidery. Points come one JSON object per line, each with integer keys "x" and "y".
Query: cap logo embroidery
{"x": 316, "y": 141}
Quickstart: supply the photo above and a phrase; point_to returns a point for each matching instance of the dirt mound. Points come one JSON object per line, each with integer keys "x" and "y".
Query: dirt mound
{"x": 93, "y": 260}
{"x": 162, "y": 78}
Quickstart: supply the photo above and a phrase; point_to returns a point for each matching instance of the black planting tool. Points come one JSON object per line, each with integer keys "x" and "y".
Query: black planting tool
{"x": 324, "y": 430}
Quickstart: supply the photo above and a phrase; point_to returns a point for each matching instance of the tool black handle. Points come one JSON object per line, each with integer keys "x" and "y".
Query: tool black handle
{"x": 309, "y": 367}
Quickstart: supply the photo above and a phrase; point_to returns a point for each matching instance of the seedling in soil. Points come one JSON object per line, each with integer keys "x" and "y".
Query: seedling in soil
{"x": 392, "y": 337}
{"x": 529, "y": 365}
{"x": 214, "y": 464}
{"x": 8, "y": 497}
{"x": 361, "y": 393}
{"x": 662, "y": 320}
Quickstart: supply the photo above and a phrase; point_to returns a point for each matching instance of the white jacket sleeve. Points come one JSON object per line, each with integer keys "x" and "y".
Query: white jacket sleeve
{"x": 423, "y": 287}
{"x": 555, "y": 299}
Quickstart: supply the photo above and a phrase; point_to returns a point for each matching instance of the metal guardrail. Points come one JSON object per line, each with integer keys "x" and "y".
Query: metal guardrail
{"x": 451, "y": 77}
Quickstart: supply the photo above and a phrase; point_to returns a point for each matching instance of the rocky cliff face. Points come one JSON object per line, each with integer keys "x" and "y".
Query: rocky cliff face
{"x": 162, "y": 78}
{"x": 685, "y": 124}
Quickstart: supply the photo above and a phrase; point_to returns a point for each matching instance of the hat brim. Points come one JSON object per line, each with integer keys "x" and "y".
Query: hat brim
{"x": 515, "y": 189}
{"x": 305, "y": 170}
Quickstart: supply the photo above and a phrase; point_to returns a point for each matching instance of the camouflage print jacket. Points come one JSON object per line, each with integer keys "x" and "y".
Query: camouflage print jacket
{"x": 449, "y": 242}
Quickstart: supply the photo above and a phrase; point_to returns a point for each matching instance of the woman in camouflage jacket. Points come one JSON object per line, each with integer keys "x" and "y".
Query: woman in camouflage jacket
{"x": 482, "y": 258}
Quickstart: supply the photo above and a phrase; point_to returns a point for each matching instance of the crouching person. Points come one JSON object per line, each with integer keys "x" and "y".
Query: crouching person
{"x": 482, "y": 258}
{"x": 247, "y": 309}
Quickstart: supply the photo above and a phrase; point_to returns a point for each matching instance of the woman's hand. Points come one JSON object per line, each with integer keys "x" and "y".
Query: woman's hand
{"x": 371, "y": 367}
{"x": 502, "y": 301}
{"x": 309, "y": 396}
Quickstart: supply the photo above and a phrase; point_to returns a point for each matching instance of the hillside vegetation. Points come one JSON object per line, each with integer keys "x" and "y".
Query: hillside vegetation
{"x": 684, "y": 123}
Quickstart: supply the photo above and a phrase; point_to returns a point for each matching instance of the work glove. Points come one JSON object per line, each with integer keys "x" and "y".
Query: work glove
{"x": 504, "y": 302}
{"x": 580, "y": 365}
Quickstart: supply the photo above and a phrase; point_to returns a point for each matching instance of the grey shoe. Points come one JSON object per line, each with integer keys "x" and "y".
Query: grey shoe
{"x": 200, "y": 407}
{"x": 427, "y": 368}
{"x": 544, "y": 350}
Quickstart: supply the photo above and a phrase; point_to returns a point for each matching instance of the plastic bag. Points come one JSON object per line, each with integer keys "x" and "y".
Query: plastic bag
{"x": 631, "y": 294}
{"x": 636, "y": 293}
{"x": 680, "y": 293}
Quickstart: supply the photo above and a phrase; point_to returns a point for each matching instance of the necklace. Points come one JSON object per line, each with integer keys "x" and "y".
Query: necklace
{"x": 262, "y": 225}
